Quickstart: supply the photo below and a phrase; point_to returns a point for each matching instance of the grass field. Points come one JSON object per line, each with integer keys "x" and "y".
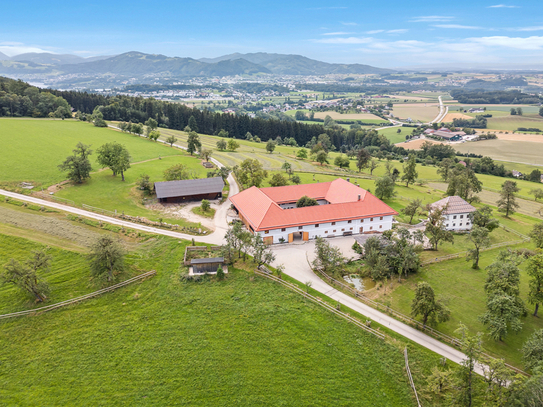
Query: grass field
{"x": 242, "y": 341}
{"x": 462, "y": 286}
{"x": 365, "y": 117}
{"x": 110, "y": 193}
{"x": 393, "y": 136}
{"x": 26, "y": 142}
{"x": 512, "y": 123}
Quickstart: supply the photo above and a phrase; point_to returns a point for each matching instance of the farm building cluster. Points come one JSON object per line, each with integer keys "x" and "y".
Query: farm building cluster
{"x": 446, "y": 134}
{"x": 343, "y": 209}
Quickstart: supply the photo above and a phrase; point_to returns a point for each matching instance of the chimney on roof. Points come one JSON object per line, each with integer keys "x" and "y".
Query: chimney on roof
{"x": 359, "y": 197}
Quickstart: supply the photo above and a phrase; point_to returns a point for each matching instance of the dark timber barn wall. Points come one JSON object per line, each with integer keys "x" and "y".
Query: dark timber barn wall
{"x": 189, "y": 190}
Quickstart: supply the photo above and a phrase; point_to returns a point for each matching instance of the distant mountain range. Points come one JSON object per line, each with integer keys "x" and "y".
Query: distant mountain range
{"x": 137, "y": 64}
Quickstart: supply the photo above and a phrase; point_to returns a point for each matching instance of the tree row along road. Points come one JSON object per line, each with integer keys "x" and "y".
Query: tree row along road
{"x": 294, "y": 257}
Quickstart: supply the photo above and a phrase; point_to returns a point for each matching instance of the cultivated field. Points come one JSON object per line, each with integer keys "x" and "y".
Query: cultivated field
{"x": 365, "y": 117}
{"x": 449, "y": 117}
{"x": 527, "y": 152}
{"x": 422, "y": 112}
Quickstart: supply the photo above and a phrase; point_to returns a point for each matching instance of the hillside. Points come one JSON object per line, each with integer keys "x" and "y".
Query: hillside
{"x": 283, "y": 64}
{"x": 241, "y": 341}
{"x": 140, "y": 64}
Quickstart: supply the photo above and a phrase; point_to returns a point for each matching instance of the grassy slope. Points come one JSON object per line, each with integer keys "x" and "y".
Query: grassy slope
{"x": 243, "y": 341}
{"x": 456, "y": 281}
{"x": 26, "y": 142}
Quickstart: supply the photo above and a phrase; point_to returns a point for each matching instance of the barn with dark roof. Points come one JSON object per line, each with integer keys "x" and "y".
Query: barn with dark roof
{"x": 189, "y": 190}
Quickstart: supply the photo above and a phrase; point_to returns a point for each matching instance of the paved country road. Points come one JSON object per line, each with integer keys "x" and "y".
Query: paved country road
{"x": 294, "y": 257}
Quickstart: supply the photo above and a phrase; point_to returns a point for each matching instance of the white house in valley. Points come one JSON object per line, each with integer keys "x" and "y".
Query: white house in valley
{"x": 456, "y": 213}
{"x": 343, "y": 209}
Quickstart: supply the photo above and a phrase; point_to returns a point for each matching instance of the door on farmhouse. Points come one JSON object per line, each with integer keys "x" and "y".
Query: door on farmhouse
{"x": 305, "y": 236}
{"x": 362, "y": 230}
{"x": 268, "y": 240}
{"x": 290, "y": 237}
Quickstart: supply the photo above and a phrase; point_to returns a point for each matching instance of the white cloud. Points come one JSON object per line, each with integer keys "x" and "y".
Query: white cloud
{"x": 457, "y": 26}
{"x": 535, "y": 28}
{"x": 374, "y": 31}
{"x": 16, "y": 48}
{"x": 398, "y": 31}
{"x": 337, "y": 33}
{"x": 348, "y": 23}
{"x": 344, "y": 40}
{"x": 430, "y": 19}
{"x": 528, "y": 43}
{"x": 502, "y": 6}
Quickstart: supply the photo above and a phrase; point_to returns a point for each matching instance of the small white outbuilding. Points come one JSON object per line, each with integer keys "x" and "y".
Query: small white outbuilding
{"x": 456, "y": 213}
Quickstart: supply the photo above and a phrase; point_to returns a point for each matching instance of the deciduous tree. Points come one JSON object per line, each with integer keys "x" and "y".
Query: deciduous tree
{"x": 435, "y": 227}
{"x": 171, "y": 140}
{"x": 106, "y": 257}
{"x": 363, "y": 158}
{"x": 306, "y": 201}
{"x": 535, "y": 271}
{"x": 412, "y": 209}
{"x": 508, "y": 203}
{"x": 193, "y": 142}
{"x": 78, "y": 165}
{"x": 25, "y": 276}
{"x": 384, "y": 188}
{"x": 373, "y": 165}
{"x": 262, "y": 253}
{"x": 410, "y": 173}
{"x": 479, "y": 237}
{"x": 302, "y": 153}
{"x": 114, "y": 156}
{"x": 278, "y": 180}
{"x": 532, "y": 350}
{"x": 428, "y": 306}
{"x": 250, "y": 173}
{"x": 232, "y": 144}
{"x": 537, "y": 235}
{"x": 483, "y": 217}
{"x": 222, "y": 145}
{"x": 342, "y": 161}
{"x": 176, "y": 172}
{"x": 205, "y": 153}
{"x": 270, "y": 146}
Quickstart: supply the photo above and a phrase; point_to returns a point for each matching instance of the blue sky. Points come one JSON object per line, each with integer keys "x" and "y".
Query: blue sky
{"x": 390, "y": 33}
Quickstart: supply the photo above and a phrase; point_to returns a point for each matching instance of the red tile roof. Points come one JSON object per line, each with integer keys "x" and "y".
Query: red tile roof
{"x": 260, "y": 206}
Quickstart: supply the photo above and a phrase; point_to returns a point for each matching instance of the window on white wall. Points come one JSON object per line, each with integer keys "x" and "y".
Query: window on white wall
{"x": 267, "y": 232}
{"x": 316, "y": 225}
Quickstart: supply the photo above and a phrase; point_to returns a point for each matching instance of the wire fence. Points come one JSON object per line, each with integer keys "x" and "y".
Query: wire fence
{"x": 267, "y": 274}
{"x": 410, "y": 376}
{"x": 75, "y": 300}
{"x": 404, "y": 318}
{"x": 98, "y": 210}
{"x": 523, "y": 239}
{"x": 58, "y": 199}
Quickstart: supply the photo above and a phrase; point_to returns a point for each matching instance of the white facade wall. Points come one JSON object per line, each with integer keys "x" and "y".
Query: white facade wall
{"x": 458, "y": 221}
{"x": 375, "y": 224}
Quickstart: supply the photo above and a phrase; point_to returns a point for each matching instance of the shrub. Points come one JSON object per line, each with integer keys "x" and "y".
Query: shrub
{"x": 220, "y": 273}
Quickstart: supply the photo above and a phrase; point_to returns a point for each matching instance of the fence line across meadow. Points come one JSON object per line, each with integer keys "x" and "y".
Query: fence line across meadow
{"x": 404, "y": 318}
{"x": 410, "y": 376}
{"x": 317, "y": 300}
{"x": 78, "y": 299}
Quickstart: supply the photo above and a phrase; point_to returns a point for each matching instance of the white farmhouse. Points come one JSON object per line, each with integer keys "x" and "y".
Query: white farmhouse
{"x": 456, "y": 213}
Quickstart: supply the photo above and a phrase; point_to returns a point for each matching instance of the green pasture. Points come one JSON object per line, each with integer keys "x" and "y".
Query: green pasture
{"x": 463, "y": 289}
{"x": 393, "y": 136}
{"x": 32, "y": 149}
{"x": 105, "y": 191}
{"x": 244, "y": 340}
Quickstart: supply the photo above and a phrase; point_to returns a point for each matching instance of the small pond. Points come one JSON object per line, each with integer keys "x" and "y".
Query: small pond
{"x": 360, "y": 283}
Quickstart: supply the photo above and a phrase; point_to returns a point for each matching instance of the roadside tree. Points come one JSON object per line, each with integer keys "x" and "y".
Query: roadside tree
{"x": 171, "y": 140}
{"x": 193, "y": 142}
{"x": 428, "y": 306}
{"x": 250, "y": 173}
